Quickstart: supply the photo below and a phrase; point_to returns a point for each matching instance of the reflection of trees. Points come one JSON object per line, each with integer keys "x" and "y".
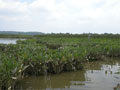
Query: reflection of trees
{"x": 93, "y": 65}
{"x": 97, "y": 65}
{"x": 53, "y": 81}
{"x": 65, "y": 80}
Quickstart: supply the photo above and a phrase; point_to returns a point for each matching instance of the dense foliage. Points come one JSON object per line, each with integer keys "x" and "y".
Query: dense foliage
{"x": 53, "y": 54}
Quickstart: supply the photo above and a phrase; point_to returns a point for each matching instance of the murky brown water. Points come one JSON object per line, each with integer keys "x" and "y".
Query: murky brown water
{"x": 99, "y": 75}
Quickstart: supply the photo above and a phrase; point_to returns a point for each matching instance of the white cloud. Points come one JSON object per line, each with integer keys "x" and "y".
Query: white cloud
{"x": 74, "y": 16}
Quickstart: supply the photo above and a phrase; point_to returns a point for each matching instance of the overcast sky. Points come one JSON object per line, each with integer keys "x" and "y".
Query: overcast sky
{"x": 73, "y": 16}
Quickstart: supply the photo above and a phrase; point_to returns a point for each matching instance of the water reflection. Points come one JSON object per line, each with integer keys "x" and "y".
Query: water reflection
{"x": 100, "y": 75}
{"x": 64, "y": 80}
{"x": 9, "y": 40}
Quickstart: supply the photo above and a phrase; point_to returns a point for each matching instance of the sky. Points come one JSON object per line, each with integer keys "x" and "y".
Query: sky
{"x": 60, "y": 16}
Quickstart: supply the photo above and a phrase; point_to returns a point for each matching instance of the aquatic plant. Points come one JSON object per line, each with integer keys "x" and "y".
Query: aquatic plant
{"x": 52, "y": 54}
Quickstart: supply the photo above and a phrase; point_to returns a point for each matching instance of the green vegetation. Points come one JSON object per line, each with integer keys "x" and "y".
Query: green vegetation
{"x": 15, "y": 36}
{"x": 53, "y": 54}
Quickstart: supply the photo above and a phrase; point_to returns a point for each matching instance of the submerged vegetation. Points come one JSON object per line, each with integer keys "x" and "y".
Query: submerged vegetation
{"x": 54, "y": 54}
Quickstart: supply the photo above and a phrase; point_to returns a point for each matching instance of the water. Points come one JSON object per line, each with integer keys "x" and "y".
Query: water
{"x": 99, "y": 75}
{"x": 8, "y": 40}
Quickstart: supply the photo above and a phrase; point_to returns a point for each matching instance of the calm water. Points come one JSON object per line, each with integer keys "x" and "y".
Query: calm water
{"x": 100, "y": 75}
{"x": 9, "y": 40}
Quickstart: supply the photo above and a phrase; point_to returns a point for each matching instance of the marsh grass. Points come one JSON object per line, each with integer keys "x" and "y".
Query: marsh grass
{"x": 52, "y": 54}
